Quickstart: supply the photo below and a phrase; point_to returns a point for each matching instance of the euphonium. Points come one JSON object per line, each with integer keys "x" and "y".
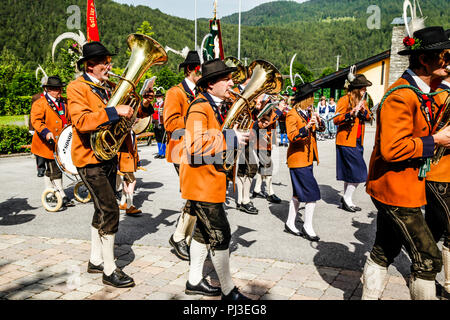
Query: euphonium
{"x": 442, "y": 122}
{"x": 145, "y": 52}
{"x": 265, "y": 79}
{"x": 240, "y": 75}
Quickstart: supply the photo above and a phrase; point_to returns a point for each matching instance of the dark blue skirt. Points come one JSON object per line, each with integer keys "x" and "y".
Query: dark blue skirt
{"x": 304, "y": 185}
{"x": 350, "y": 165}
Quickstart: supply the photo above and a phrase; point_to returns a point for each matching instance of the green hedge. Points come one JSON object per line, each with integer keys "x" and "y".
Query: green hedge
{"x": 15, "y": 106}
{"x": 12, "y": 138}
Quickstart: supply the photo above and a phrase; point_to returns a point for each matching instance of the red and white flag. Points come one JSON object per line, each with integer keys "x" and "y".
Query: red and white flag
{"x": 91, "y": 22}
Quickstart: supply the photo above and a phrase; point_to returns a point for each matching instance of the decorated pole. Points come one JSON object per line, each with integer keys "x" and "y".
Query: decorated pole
{"x": 239, "y": 33}
{"x": 91, "y": 22}
{"x": 195, "y": 19}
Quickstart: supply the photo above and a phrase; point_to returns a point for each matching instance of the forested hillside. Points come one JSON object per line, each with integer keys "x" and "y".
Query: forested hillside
{"x": 275, "y": 30}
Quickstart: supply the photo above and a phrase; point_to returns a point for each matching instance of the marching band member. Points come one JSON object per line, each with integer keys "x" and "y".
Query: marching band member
{"x": 301, "y": 126}
{"x": 40, "y": 162}
{"x": 87, "y": 98}
{"x": 403, "y": 141}
{"x": 158, "y": 124}
{"x": 204, "y": 185}
{"x": 264, "y": 152}
{"x": 175, "y": 108}
{"x": 246, "y": 170}
{"x": 49, "y": 116}
{"x": 352, "y": 113}
{"x": 437, "y": 209}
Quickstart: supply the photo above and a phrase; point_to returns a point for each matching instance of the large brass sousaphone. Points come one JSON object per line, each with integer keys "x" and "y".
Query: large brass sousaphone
{"x": 265, "y": 79}
{"x": 240, "y": 75}
{"x": 145, "y": 52}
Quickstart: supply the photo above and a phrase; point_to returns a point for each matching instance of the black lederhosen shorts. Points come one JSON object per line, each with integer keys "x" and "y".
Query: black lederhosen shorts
{"x": 247, "y": 165}
{"x": 437, "y": 210}
{"x": 212, "y": 227}
{"x": 52, "y": 170}
{"x": 399, "y": 226}
{"x": 100, "y": 179}
{"x": 159, "y": 132}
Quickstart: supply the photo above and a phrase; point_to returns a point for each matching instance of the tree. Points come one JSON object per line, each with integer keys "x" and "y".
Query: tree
{"x": 146, "y": 29}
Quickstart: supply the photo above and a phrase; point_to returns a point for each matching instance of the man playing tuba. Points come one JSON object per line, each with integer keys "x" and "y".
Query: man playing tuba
{"x": 87, "y": 98}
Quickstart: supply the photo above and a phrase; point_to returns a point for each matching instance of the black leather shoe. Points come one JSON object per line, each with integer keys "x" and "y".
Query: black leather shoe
{"x": 40, "y": 173}
{"x": 356, "y": 208}
{"x": 118, "y": 279}
{"x": 68, "y": 203}
{"x": 289, "y": 230}
{"x": 248, "y": 208}
{"x": 181, "y": 248}
{"x": 308, "y": 237}
{"x": 273, "y": 198}
{"x": 92, "y": 268}
{"x": 234, "y": 295}
{"x": 346, "y": 207}
{"x": 261, "y": 194}
{"x": 203, "y": 288}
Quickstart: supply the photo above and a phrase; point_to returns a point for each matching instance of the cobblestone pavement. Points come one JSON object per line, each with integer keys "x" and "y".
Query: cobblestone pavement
{"x": 43, "y": 268}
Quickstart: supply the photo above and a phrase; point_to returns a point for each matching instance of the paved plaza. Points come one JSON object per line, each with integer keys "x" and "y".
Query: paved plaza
{"x": 44, "y": 255}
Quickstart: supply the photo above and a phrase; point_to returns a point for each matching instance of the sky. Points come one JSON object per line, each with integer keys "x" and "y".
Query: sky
{"x": 185, "y": 8}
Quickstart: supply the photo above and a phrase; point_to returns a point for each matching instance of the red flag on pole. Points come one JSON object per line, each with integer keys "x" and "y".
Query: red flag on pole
{"x": 91, "y": 22}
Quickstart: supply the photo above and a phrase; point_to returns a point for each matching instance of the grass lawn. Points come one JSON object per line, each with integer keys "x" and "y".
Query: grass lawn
{"x": 4, "y": 120}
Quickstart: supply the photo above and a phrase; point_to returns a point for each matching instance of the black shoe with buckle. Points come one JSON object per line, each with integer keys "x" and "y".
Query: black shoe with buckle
{"x": 181, "y": 248}
{"x": 234, "y": 295}
{"x": 273, "y": 198}
{"x": 203, "y": 288}
{"x": 248, "y": 208}
{"x": 346, "y": 207}
{"x": 118, "y": 279}
{"x": 261, "y": 194}
{"x": 92, "y": 268}
{"x": 68, "y": 203}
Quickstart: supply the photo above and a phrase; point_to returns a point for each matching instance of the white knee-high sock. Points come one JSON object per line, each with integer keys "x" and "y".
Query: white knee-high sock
{"x": 258, "y": 183}
{"x": 109, "y": 265}
{"x": 239, "y": 189}
{"x": 293, "y": 209}
{"x": 96, "y": 247}
{"x": 118, "y": 182}
{"x": 129, "y": 199}
{"x": 246, "y": 190}
{"x": 351, "y": 187}
{"x": 309, "y": 212}
{"x": 197, "y": 253}
{"x": 221, "y": 262}
{"x": 59, "y": 186}
{"x": 48, "y": 183}
{"x": 269, "y": 187}
{"x": 123, "y": 198}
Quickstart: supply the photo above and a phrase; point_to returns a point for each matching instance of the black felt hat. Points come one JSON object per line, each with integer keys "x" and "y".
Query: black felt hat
{"x": 428, "y": 39}
{"x": 303, "y": 91}
{"x": 159, "y": 93}
{"x": 54, "y": 81}
{"x": 360, "y": 81}
{"x": 212, "y": 69}
{"x": 191, "y": 58}
{"x": 93, "y": 49}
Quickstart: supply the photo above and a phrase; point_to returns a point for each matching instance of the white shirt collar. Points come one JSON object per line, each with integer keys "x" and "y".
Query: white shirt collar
{"x": 93, "y": 79}
{"x": 216, "y": 100}
{"x": 190, "y": 84}
{"x": 422, "y": 85}
{"x": 446, "y": 83}
{"x": 50, "y": 96}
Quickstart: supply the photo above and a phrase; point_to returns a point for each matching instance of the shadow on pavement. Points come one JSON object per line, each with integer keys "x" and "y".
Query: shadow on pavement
{"x": 329, "y": 194}
{"x": 10, "y": 211}
{"x": 132, "y": 229}
{"x": 236, "y": 238}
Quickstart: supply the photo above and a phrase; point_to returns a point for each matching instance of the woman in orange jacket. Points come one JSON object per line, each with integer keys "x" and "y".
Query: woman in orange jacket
{"x": 352, "y": 113}
{"x": 301, "y": 127}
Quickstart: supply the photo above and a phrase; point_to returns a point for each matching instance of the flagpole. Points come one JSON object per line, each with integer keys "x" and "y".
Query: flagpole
{"x": 239, "y": 35}
{"x": 195, "y": 19}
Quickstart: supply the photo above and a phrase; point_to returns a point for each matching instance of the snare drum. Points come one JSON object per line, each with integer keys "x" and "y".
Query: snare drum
{"x": 63, "y": 153}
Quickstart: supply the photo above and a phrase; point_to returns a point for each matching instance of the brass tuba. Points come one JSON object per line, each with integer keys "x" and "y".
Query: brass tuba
{"x": 265, "y": 79}
{"x": 442, "y": 122}
{"x": 145, "y": 52}
{"x": 240, "y": 75}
